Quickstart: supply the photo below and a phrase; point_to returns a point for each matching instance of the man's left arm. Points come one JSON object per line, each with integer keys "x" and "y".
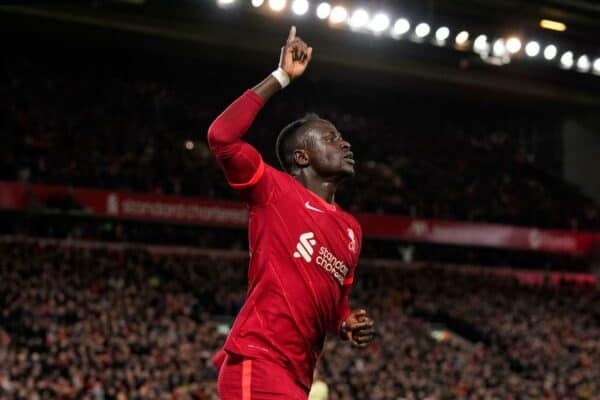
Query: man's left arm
{"x": 354, "y": 325}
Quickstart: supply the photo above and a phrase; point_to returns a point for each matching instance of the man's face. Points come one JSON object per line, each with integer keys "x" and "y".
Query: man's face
{"x": 329, "y": 153}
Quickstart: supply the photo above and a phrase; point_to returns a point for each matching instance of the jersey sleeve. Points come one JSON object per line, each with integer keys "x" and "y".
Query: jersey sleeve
{"x": 241, "y": 163}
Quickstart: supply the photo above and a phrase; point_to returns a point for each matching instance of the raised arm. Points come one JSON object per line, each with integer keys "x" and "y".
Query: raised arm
{"x": 241, "y": 163}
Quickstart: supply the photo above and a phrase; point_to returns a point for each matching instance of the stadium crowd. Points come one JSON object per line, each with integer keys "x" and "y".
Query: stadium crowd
{"x": 86, "y": 323}
{"x": 71, "y": 123}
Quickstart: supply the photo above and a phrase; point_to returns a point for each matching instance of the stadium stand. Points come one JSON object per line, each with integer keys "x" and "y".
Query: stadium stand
{"x": 89, "y": 320}
{"x": 71, "y": 125}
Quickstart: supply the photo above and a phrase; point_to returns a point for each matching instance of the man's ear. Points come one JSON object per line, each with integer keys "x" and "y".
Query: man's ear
{"x": 301, "y": 158}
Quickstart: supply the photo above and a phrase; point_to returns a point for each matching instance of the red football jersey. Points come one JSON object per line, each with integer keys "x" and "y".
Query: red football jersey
{"x": 303, "y": 253}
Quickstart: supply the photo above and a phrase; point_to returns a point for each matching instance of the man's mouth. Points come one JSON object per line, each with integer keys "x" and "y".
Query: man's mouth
{"x": 349, "y": 157}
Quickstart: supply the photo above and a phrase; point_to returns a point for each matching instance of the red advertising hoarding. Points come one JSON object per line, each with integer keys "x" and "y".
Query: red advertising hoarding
{"x": 177, "y": 209}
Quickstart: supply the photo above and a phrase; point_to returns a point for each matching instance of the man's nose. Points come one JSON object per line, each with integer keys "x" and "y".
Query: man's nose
{"x": 345, "y": 145}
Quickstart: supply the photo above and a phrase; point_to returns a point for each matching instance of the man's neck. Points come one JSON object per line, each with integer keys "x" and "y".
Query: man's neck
{"x": 322, "y": 188}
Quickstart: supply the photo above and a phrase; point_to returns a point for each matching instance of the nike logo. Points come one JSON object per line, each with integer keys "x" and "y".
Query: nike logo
{"x": 307, "y": 205}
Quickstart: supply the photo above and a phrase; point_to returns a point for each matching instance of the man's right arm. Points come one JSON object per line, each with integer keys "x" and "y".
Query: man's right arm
{"x": 242, "y": 164}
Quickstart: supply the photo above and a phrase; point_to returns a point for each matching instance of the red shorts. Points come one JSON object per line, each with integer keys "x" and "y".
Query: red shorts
{"x": 252, "y": 379}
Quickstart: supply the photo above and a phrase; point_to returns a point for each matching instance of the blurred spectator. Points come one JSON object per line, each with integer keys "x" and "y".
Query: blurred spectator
{"x": 83, "y": 323}
{"x": 79, "y": 125}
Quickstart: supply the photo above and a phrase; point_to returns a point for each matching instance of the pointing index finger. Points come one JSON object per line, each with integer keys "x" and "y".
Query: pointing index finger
{"x": 292, "y": 34}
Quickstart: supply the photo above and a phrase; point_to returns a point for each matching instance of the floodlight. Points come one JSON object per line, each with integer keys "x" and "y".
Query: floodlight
{"x": 379, "y": 23}
{"x": 442, "y": 33}
{"x": 323, "y": 10}
{"x": 277, "y": 5}
{"x": 481, "y": 45}
{"x": 422, "y": 30}
{"x": 359, "y": 18}
{"x": 550, "y": 52}
{"x": 513, "y": 45}
{"x": 532, "y": 48}
{"x": 499, "y": 48}
{"x": 597, "y": 66}
{"x": 583, "y": 64}
{"x": 462, "y": 38}
{"x": 338, "y": 15}
{"x": 300, "y": 7}
{"x": 257, "y": 3}
{"x": 401, "y": 26}
{"x": 566, "y": 60}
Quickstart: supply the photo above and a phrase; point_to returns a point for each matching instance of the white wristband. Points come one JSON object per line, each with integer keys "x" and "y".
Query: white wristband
{"x": 282, "y": 77}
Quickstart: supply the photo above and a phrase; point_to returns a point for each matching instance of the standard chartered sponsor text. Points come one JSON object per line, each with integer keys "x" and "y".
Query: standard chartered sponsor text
{"x": 331, "y": 264}
{"x": 182, "y": 211}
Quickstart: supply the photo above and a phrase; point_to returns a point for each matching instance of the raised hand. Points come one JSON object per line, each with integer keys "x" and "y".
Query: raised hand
{"x": 295, "y": 55}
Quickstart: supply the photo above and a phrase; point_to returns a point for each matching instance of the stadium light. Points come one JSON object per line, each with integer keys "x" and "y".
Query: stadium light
{"x": 277, "y": 5}
{"x": 401, "y": 26}
{"x": 379, "y": 23}
{"x": 338, "y": 15}
{"x": 499, "y": 48}
{"x": 462, "y": 38}
{"x": 300, "y": 7}
{"x": 189, "y": 145}
{"x": 359, "y": 18}
{"x": 550, "y": 52}
{"x": 583, "y": 64}
{"x": 225, "y": 3}
{"x": 566, "y": 60}
{"x": 481, "y": 45}
{"x": 532, "y": 48}
{"x": 442, "y": 33}
{"x": 422, "y": 30}
{"x": 323, "y": 10}
{"x": 553, "y": 25}
{"x": 513, "y": 45}
{"x": 597, "y": 66}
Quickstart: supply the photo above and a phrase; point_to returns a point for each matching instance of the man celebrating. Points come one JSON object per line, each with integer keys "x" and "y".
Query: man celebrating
{"x": 304, "y": 248}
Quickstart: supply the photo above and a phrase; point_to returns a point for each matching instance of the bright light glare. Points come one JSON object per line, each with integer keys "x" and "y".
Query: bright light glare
{"x": 583, "y": 63}
{"x": 359, "y": 18}
{"x": 300, "y": 7}
{"x": 513, "y": 45}
{"x": 225, "y": 2}
{"x": 553, "y": 25}
{"x": 499, "y": 48}
{"x": 462, "y": 38}
{"x": 442, "y": 33}
{"x": 566, "y": 60}
{"x": 338, "y": 14}
{"x": 380, "y": 22}
{"x": 189, "y": 145}
{"x": 532, "y": 48}
{"x": 323, "y": 10}
{"x": 550, "y": 52}
{"x": 277, "y": 5}
{"x": 422, "y": 30}
{"x": 597, "y": 66}
{"x": 257, "y": 3}
{"x": 480, "y": 44}
{"x": 401, "y": 26}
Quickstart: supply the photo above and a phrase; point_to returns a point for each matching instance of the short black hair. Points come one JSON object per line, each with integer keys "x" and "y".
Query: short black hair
{"x": 287, "y": 141}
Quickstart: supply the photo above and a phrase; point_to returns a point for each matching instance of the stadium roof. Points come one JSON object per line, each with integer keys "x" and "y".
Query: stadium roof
{"x": 242, "y": 32}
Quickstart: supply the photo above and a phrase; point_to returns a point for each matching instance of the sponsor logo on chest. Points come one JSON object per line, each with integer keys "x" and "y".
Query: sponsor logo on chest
{"x": 305, "y": 249}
